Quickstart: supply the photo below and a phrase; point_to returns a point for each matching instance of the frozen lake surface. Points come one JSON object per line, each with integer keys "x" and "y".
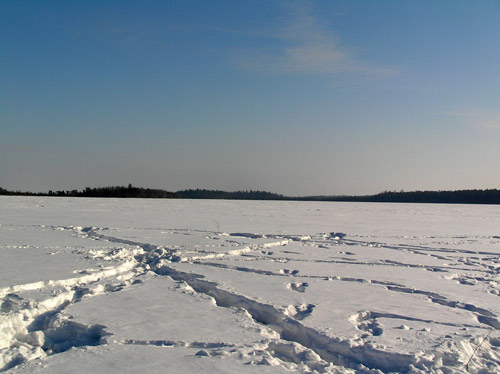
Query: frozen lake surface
{"x": 186, "y": 286}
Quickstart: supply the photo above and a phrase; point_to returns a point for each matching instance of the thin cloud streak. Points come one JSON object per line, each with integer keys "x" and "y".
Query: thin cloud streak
{"x": 304, "y": 45}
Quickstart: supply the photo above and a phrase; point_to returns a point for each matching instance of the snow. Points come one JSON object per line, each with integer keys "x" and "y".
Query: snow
{"x": 125, "y": 285}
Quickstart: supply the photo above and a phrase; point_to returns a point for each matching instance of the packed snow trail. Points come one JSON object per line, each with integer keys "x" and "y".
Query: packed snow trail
{"x": 35, "y": 324}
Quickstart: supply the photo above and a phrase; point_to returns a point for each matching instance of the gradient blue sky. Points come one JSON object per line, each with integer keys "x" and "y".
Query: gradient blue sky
{"x": 295, "y": 97}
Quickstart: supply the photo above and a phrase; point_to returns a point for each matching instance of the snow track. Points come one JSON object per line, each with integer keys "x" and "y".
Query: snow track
{"x": 333, "y": 351}
{"x": 304, "y": 321}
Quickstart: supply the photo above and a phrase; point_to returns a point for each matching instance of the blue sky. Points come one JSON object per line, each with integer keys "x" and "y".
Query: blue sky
{"x": 294, "y": 97}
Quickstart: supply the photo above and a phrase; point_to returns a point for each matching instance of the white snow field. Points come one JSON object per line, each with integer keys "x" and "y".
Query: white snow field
{"x": 212, "y": 286}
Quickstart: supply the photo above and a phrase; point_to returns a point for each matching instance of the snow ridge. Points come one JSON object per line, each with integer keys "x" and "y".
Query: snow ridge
{"x": 334, "y": 351}
{"x": 32, "y": 328}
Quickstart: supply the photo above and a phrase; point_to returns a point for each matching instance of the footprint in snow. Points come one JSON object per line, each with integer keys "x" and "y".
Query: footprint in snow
{"x": 12, "y": 302}
{"x": 299, "y": 311}
{"x": 337, "y": 235}
{"x": 289, "y": 272}
{"x": 298, "y": 286}
{"x": 365, "y": 321}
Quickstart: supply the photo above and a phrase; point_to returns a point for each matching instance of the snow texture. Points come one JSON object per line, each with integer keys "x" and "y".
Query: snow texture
{"x": 110, "y": 285}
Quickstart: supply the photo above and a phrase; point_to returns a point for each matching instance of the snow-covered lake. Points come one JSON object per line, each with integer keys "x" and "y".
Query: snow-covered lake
{"x": 207, "y": 286}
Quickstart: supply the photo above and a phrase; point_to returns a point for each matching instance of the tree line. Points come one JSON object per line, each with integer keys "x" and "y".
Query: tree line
{"x": 113, "y": 191}
{"x": 488, "y": 196}
{"x": 237, "y": 195}
{"x": 140, "y": 192}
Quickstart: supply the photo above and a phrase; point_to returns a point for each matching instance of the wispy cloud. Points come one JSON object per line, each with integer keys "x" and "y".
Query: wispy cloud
{"x": 481, "y": 119}
{"x": 303, "y": 44}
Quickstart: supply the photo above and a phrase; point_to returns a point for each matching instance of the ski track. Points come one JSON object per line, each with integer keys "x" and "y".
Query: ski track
{"x": 35, "y": 328}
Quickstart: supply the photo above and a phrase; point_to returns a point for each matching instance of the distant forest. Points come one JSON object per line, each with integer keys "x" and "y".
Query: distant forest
{"x": 238, "y": 195}
{"x": 140, "y": 192}
{"x": 491, "y": 196}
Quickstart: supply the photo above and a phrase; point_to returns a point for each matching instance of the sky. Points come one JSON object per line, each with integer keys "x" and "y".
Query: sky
{"x": 294, "y": 97}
